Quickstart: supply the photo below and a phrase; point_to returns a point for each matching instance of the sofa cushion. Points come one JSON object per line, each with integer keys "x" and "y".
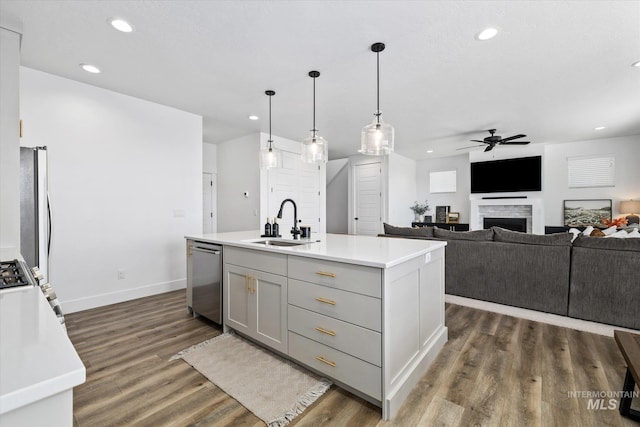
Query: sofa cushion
{"x": 508, "y": 236}
{"x": 484, "y": 235}
{"x": 408, "y": 231}
{"x": 632, "y": 245}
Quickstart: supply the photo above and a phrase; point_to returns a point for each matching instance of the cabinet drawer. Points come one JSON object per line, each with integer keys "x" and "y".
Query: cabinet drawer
{"x": 349, "y": 370}
{"x": 257, "y": 260}
{"x": 362, "y": 343}
{"x": 358, "y": 309}
{"x": 351, "y": 277}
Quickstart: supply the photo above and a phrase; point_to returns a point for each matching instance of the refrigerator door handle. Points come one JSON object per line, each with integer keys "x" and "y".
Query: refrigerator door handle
{"x": 49, "y": 217}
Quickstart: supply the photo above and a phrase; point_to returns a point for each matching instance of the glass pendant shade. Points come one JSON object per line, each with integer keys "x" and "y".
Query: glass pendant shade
{"x": 377, "y": 137}
{"x": 315, "y": 149}
{"x": 270, "y": 157}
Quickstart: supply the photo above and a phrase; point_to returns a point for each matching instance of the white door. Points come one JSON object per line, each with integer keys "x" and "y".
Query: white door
{"x": 209, "y": 220}
{"x": 368, "y": 199}
{"x": 299, "y": 181}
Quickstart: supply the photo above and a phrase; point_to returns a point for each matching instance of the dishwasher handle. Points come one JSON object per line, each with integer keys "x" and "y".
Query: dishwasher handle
{"x": 205, "y": 250}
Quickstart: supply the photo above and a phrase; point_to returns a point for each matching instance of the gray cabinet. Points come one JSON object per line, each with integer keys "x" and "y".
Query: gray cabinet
{"x": 255, "y": 302}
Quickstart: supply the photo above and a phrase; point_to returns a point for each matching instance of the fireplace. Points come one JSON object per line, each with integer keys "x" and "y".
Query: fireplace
{"x": 514, "y": 224}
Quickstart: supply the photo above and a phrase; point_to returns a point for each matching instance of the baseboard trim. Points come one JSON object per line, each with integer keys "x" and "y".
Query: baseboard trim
{"x": 94, "y": 301}
{"x": 538, "y": 316}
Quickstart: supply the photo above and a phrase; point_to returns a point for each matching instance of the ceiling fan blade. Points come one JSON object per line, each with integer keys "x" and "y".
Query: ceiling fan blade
{"x": 515, "y": 142}
{"x": 475, "y": 140}
{"x": 489, "y": 148}
{"x": 472, "y": 146}
{"x": 513, "y": 137}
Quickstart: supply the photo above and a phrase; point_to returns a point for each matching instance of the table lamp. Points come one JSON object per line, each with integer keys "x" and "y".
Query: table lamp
{"x": 632, "y": 208}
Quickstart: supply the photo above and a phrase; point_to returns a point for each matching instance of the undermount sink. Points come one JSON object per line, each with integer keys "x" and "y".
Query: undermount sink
{"x": 268, "y": 242}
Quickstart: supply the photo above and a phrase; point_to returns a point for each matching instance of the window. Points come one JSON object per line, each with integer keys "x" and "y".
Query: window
{"x": 591, "y": 171}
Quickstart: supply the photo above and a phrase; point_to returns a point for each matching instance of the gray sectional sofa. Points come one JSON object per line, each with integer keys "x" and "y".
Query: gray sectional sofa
{"x": 592, "y": 278}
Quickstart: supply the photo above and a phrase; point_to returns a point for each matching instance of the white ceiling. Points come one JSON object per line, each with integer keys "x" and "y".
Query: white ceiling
{"x": 556, "y": 70}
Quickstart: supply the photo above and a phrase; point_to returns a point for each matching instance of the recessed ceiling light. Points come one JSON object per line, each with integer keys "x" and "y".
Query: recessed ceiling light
{"x": 636, "y": 64}
{"x": 486, "y": 34}
{"x": 90, "y": 68}
{"x": 253, "y": 117}
{"x": 429, "y": 151}
{"x": 121, "y": 25}
{"x": 599, "y": 128}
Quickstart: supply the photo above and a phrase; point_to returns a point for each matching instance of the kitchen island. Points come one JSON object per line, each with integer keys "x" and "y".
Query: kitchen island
{"x": 367, "y": 312}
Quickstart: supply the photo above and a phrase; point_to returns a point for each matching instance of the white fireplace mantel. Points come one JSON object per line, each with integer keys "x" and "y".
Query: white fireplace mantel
{"x": 534, "y": 208}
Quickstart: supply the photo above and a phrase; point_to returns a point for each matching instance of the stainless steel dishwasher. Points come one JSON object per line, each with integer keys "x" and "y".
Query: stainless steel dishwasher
{"x": 204, "y": 279}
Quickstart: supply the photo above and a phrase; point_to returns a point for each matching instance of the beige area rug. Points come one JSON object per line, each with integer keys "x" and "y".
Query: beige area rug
{"x": 274, "y": 389}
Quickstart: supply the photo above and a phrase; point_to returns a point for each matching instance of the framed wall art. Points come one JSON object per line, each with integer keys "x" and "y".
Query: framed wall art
{"x": 586, "y": 212}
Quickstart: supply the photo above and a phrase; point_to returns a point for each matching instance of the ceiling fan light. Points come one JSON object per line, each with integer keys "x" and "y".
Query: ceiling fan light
{"x": 315, "y": 149}
{"x": 377, "y": 137}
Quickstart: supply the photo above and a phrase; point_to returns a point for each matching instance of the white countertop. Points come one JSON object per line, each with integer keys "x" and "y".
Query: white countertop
{"x": 37, "y": 359}
{"x": 372, "y": 251}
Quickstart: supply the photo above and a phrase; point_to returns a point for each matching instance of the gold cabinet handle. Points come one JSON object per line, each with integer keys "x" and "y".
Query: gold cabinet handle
{"x": 189, "y": 253}
{"x": 325, "y": 331}
{"x": 326, "y": 301}
{"x": 328, "y": 362}
{"x": 324, "y": 273}
{"x": 253, "y": 284}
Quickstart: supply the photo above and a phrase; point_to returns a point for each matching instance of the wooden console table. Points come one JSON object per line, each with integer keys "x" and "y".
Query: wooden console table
{"x": 629, "y": 345}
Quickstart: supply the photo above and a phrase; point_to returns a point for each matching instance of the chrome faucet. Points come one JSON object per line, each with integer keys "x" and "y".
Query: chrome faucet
{"x": 295, "y": 230}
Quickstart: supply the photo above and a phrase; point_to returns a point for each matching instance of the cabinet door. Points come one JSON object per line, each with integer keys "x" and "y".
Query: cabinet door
{"x": 270, "y": 298}
{"x": 237, "y": 298}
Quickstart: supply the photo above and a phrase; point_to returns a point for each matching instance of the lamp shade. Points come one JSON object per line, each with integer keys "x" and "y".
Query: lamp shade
{"x": 270, "y": 157}
{"x": 377, "y": 137}
{"x": 315, "y": 149}
{"x": 630, "y": 206}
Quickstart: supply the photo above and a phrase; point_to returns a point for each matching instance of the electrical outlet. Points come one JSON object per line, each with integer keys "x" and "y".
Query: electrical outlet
{"x": 121, "y": 275}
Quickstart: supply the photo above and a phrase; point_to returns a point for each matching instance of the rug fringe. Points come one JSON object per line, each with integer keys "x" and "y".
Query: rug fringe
{"x": 302, "y": 403}
{"x": 200, "y": 345}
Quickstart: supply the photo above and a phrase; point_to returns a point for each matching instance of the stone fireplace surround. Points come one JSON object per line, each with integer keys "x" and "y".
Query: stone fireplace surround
{"x": 508, "y": 207}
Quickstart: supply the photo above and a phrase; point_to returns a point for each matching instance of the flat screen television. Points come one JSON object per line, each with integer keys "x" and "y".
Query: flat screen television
{"x": 507, "y": 176}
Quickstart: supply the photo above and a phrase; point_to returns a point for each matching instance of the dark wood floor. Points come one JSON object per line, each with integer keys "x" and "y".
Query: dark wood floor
{"x": 495, "y": 370}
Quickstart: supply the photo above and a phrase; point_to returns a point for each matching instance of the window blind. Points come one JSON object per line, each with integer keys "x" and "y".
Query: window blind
{"x": 591, "y": 171}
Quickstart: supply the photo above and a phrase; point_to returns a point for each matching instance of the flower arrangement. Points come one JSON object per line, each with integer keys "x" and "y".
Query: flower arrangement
{"x": 420, "y": 209}
{"x": 618, "y": 222}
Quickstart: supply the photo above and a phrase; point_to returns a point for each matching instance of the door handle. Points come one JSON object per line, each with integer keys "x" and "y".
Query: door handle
{"x": 356, "y": 218}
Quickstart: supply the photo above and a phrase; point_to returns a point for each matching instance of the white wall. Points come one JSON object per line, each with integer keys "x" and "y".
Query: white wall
{"x": 9, "y": 139}
{"x": 337, "y": 196}
{"x": 239, "y": 171}
{"x": 627, "y": 179}
{"x": 459, "y": 201}
{"x": 402, "y": 189}
{"x": 125, "y": 179}
{"x": 209, "y": 158}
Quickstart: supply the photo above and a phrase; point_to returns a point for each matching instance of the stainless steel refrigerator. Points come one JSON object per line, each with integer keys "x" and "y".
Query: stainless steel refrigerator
{"x": 35, "y": 212}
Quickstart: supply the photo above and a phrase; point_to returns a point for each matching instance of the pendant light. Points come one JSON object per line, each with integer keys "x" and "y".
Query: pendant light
{"x": 270, "y": 157}
{"x": 314, "y": 148}
{"x": 377, "y": 137}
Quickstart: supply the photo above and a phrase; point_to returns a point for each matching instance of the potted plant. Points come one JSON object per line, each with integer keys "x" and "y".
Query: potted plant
{"x": 419, "y": 210}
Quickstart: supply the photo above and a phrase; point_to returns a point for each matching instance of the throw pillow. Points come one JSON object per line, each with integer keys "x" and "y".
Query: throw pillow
{"x": 587, "y": 231}
{"x": 508, "y": 236}
{"x": 486, "y": 235}
{"x": 407, "y": 231}
{"x": 597, "y": 233}
{"x": 610, "y": 230}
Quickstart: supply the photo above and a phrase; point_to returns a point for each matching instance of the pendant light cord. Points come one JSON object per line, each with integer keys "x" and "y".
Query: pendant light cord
{"x": 270, "y": 140}
{"x": 378, "y": 85}
{"x": 314, "y": 106}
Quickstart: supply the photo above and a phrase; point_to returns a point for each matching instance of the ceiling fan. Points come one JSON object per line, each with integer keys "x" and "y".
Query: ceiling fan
{"x": 494, "y": 140}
